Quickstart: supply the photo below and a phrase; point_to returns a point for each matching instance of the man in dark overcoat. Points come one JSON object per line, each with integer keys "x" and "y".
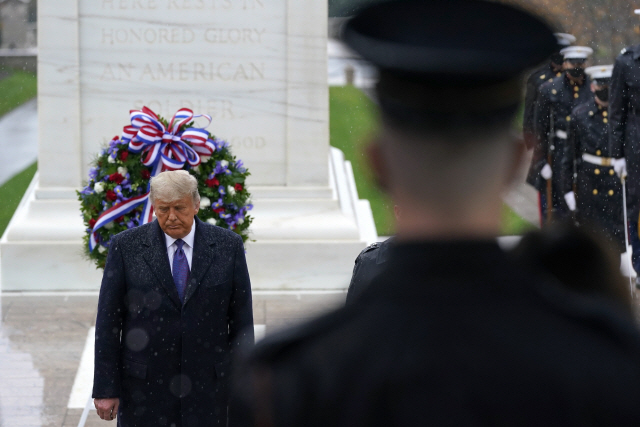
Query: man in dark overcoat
{"x": 453, "y": 332}
{"x": 556, "y": 100}
{"x": 590, "y": 185}
{"x": 175, "y": 304}
{"x": 624, "y": 124}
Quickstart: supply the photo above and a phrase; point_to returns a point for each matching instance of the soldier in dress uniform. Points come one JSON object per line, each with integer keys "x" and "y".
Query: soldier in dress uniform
{"x": 453, "y": 331}
{"x": 544, "y": 74}
{"x": 556, "y": 100}
{"x": 597, "y": 200}
{"x": 624, "y": 125}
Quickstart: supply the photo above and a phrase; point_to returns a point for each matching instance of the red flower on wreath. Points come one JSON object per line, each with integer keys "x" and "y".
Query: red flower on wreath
{"x": 111, "y": 195}
{"x": 145, "y": 174}
{"x": 92, "y": 223}
{"x": 120, "y": 219}
{"x": 218, "y": 210}
{"x": 116, "y": 177}
{"x": 238, "y": 187}
{"x": 213, "y": 182}
{"x": 123, "y": 155}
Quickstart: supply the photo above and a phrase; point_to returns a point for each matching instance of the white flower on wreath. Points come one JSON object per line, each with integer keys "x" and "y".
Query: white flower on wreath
{"x": 204, "y": 159}
{"x": 196, "y": 169}
{"x": 212, "y": 221}
{"x": 109, "y": 225}
{"x": 111, "y": 159}
{"x": 123, "y": 171}
{"x": 231, "y": 190}
{"x": 99, "y": 187}
{"x": 205, "y": 202}
{"x": 102, "y": 249}
{"x": 240, "y": 221}
{"x": 224, "y": 163}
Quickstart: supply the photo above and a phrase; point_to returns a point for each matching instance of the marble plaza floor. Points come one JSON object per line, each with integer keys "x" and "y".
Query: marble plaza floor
{"x": 43, "y": 336}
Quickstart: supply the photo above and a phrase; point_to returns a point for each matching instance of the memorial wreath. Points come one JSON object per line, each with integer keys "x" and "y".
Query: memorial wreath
{"x": 116, "y": 196}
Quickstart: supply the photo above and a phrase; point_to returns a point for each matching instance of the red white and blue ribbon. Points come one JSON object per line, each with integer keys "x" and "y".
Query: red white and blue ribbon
{"x": 161, "y": 148}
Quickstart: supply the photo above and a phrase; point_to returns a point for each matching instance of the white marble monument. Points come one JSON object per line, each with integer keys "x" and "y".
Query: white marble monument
{"x": 258, "y": 67}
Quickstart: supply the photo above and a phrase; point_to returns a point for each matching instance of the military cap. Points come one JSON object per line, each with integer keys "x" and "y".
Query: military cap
{"x": 440, "y": 59}
{"x": 576, "y": 52}
{"x": 565, "y": 39}
{"x": 600, "y": 73}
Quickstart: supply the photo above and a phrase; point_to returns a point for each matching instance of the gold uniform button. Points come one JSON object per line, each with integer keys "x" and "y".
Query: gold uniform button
{"x": 542, "y": 77}
{"x": 605, "y": 120}
{"x": 597, "y": 171}
{"x": 558, "y": 74}
{"x": 568, "y": 118}
{"x": 551, "y": 79}
{"x": 591, "y": 113}
{"x": 595, "y": 192}
{"x": 576, "y": 88}
{"x": 611, "y": 172}
{"x": 575, "y": 95}
{"x": 598, "y": 152}
{"x": 553, "y": 91}
{"x": 604, "y": 113}
{"x": 611, "y": 192}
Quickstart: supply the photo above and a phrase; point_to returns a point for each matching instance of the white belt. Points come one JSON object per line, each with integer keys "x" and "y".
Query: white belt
{"x": 561, "y": 134}
{"x": 602, "y": 161}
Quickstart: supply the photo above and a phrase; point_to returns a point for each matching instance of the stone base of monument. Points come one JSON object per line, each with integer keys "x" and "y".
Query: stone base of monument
{"x": 302, "y": 238}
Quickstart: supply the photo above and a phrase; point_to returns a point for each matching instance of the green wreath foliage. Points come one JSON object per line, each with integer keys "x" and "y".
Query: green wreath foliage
{"x": 117, "y": 175}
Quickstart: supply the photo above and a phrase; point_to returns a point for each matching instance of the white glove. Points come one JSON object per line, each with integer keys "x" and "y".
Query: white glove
{"x": 620, "y": 166}
{"x": 546, "y": 171}
{"x": 570, "y": 198}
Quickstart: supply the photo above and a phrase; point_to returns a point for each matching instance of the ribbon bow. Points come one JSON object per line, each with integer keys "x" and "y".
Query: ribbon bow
{"x": 163, "y": 148}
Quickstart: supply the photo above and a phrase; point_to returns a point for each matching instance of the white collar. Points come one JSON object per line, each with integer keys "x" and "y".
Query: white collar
{"x": 188, "y": 239}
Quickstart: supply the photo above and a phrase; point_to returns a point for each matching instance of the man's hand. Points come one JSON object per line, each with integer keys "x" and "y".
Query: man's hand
{"x": 570, "y": 198}
{"x": 546, "y": 171}
{"x": 620, "y": 166}
{"x": 107, "y": 408}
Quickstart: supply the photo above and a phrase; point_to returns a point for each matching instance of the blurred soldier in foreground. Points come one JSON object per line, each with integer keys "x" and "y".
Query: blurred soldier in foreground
{"x": 598, "y": 189}
{"x": 369, "y": 264}
{"x": 556, "y": 100}
{"x": 453, "y": 331}
{"x": 544, "y": 74}
{"x": 624, "y": 125}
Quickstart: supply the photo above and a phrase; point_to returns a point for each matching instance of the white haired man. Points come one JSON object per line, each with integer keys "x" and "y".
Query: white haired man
{"x": 175, "y": 302}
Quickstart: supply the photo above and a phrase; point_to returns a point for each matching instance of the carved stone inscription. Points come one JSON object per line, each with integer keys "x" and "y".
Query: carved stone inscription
{"x": 225, "y": 58}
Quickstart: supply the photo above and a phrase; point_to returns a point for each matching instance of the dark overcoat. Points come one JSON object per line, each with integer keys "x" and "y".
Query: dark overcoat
{"x": 624, "y": 123}
{"x": 169, "y": 362}
{"x": 369, "y": 263}
{"x": 451, "y": 334}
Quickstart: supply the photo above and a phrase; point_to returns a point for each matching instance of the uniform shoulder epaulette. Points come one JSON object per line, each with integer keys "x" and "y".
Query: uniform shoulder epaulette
{"x": 371, "y": 247}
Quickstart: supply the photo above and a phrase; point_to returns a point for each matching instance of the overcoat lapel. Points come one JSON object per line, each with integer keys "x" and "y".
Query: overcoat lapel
{"x": 204, "y": 255}
{"x": 155, "y": 254}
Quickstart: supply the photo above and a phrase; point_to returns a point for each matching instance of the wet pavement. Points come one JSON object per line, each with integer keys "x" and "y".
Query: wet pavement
{"x": 43, "y": 335}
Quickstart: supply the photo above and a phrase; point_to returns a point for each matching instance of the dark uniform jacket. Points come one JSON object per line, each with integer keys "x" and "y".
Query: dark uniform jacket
{"x": 556, "y": 100}
{"x": 598, "y": 188}
{"x": 171, "y": 365}
{"x": 624, "y": 109}
{"x": 368, "y": 265}
{"x": 536, "y": 79}
{"x": 451, "y": 334}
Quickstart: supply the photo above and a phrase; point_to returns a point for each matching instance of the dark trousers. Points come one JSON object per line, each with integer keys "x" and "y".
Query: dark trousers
{"x": 560, "y": 209}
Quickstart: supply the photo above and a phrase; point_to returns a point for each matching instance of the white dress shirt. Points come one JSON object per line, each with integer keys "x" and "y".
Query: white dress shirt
{"x": 187, "y": 247}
